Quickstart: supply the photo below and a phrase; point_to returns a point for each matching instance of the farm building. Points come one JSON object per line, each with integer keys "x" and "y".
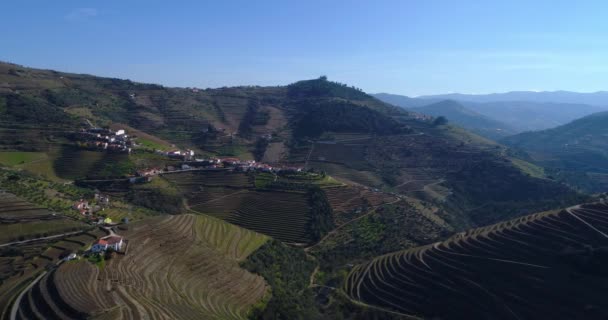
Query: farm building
{"x": 109, "y": 242}
{"x": 82, "y": 206}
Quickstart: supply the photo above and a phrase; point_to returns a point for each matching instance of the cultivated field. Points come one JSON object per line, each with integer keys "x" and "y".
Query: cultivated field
{"x": 281, "y": 215}
{"x": 549, "y": 265}
{"x": 349, "y": 202}
{"x": 192, "y": 181}
{"x": 230, "y": 196}
{"x": 22, "y": 220}
{"x": 177, "y": 267}
{"x": 19, "y": 264}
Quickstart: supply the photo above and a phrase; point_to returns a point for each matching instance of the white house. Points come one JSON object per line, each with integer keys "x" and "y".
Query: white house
{"x": 70, "y": 257}
{"x": 109, "y": 242}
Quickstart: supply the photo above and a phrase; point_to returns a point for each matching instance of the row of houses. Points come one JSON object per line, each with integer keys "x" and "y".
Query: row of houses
{"x": 105, "y": 139}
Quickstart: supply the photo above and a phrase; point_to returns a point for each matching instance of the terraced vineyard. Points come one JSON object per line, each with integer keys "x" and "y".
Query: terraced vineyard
{"x": 20, "y": 264}
{"x": 178, "y": 267}
{"x": 281, "y": 215}
{"x": 230, "y": 196}
{"x": 548, "y": 265}
{"x": 22, "y": 220}
{"x": 191, "y": 181}
{"x": 15, "y": 208}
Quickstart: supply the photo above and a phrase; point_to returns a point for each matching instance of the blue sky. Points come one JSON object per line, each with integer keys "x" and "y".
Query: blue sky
{"x": 405, "y": 47}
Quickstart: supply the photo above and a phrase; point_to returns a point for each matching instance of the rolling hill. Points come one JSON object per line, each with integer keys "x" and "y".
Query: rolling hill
{"x": 548, "y": 265}
{"x": 533, "y": 116}
{"x": 576, "y": 151}
{"x": 467, "y": 118}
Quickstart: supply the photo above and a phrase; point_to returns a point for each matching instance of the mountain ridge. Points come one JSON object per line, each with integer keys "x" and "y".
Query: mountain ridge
{"x": 467, "y": 118}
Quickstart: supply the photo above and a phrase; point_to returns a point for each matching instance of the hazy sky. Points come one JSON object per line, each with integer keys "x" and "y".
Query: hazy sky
{"x": 405, "y": 47}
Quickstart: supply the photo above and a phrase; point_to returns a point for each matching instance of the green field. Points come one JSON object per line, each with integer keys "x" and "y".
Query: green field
{"x": 13, "y": 158}
{"x": 37, "y": 229}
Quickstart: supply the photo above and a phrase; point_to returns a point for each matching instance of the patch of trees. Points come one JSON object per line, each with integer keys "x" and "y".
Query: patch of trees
{"x": 321, "y": 87}
{"x": 287, "y": 270}
{"x": 391, "y": 228}
{"x": 248, "y": 121}
{"x": 440, "y": 121}
{"x": 321, "y": 214}
{"x": 501, "y": 191}
{"x": 28, "y": 109}
{"x": 341, "y": 116}
{"x": 156, "y": 199}
{"x": 259, "y": 148}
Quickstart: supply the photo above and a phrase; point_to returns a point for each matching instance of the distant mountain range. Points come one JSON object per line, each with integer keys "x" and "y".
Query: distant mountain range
{"x": 467, "y": 118}
{"x": 599, "y": 98}
{"x": 519, "y": 111}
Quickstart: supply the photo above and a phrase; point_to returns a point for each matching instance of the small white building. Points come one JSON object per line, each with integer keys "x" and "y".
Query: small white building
{"x": 109, "y": 242}
{"x": 71, "y": 256}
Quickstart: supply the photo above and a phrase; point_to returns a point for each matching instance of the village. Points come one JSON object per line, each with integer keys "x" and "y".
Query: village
{"x": 106, "y": 140}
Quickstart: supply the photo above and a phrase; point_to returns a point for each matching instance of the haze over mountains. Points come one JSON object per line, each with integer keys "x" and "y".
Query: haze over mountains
{"x": 468, "y": 118}
{"x": 521, "y": 111}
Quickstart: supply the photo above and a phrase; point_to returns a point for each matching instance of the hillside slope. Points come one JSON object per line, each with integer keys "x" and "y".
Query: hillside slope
{"x": 467, "y": 118}
{"x": 527, "y": 116}
{"x": 546, "y": 265}
{"x": 577, "y": 151}
{"x": 318, "y": 123}
{"x": 178, "y": 267}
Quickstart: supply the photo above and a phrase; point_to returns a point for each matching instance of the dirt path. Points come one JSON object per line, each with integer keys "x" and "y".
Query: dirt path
{"x": 17, "y": 302}
{"x": 311, "y": 283}
{"x": 578, "y": 207}
{"x": 312, "y": 147}
{"x": 43, "y": 238}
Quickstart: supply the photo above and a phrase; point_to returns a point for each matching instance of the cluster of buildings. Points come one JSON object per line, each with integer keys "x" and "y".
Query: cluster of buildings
{"x": 85, "y": 208}
{"x": 187, "y": 155}
{"x": 105, "y": 139}
{"x": 111, "y": 242}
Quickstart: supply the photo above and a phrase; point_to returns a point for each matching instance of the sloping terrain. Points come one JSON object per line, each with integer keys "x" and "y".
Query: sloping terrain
{"x": 178, "y": 267}
{"x": 468, "y": 176}
{"x": 547, "y": 265}
{"x": 576, "y": 152}
{"x": 21, "y": 220}
{"x": 231, "y": 196}
{"x": 462, "y": 116}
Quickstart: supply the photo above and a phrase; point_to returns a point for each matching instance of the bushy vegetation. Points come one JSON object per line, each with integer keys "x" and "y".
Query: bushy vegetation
{"x": 159, "y": 199}
{"x": 321, "y": 217}
{"x": 321, "y": 87}
{"x": 249, "y": 119}
{"x": 23, "y": 108}
{"x": 342, "y": 116}
{"x": 287, "y": 270}
{"x": 259, "y": 149}
{"x": 389, "y": 228}
{"x": 55, "y": 196}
